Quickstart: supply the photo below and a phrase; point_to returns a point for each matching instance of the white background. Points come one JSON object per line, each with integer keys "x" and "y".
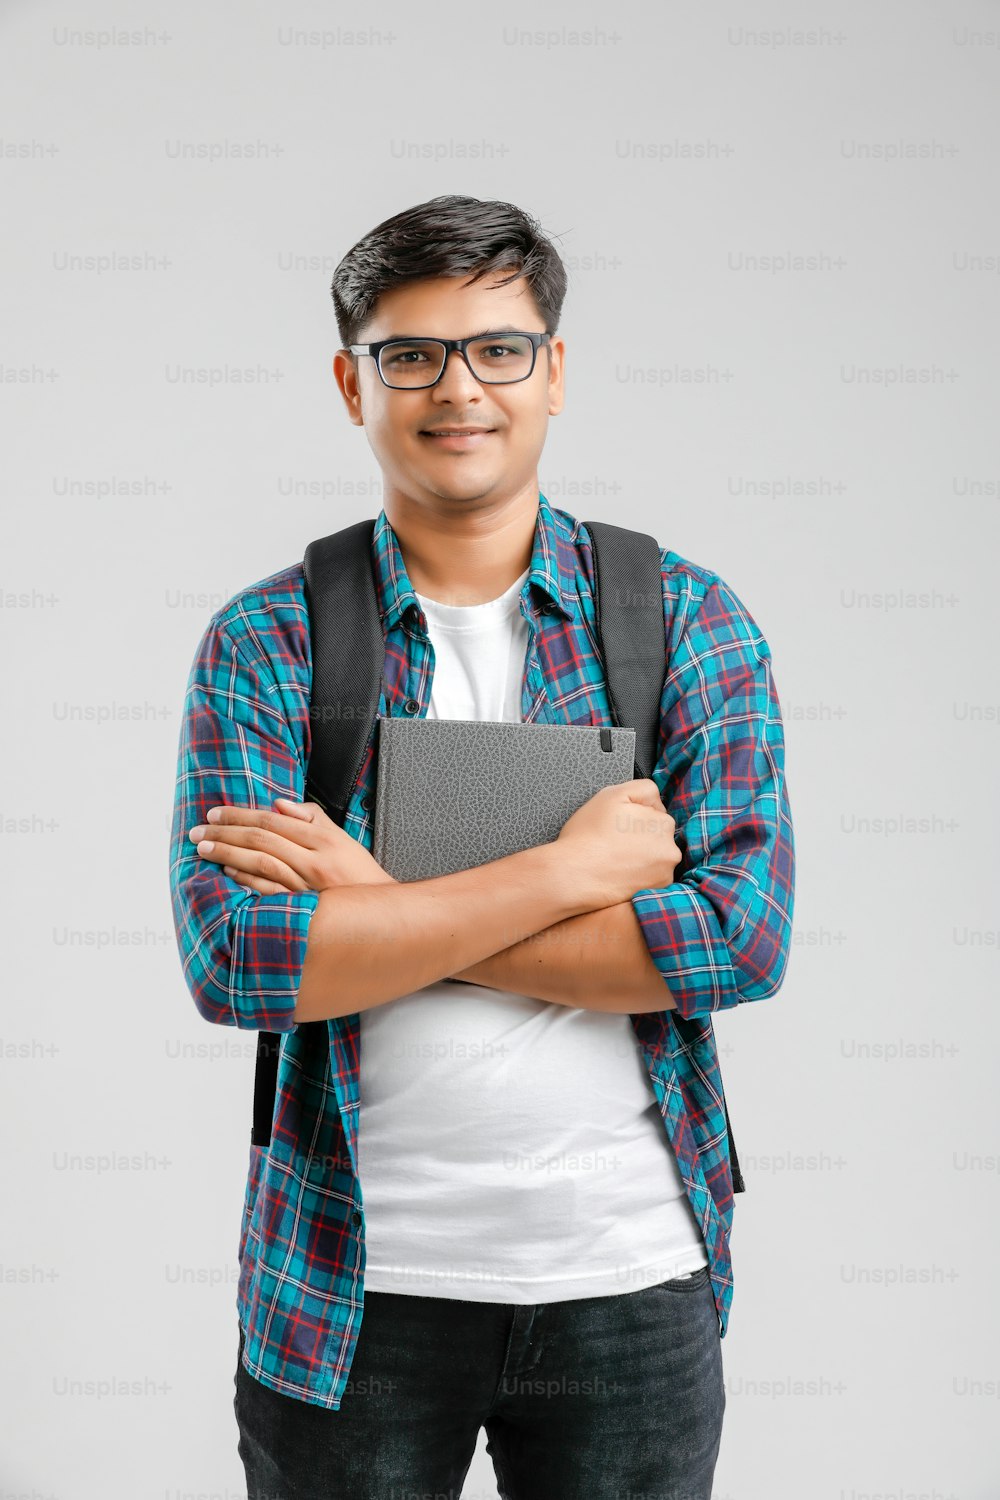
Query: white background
{"x": 824, "y": 437}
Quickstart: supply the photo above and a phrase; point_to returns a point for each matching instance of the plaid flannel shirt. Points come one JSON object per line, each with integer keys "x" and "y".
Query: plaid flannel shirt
{"x": 720, "y": 934}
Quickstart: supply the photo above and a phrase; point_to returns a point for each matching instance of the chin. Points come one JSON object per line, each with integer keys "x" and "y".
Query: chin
{"x": 463, "y": 489}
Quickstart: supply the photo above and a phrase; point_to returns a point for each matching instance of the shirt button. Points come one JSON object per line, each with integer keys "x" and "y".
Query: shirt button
{"x": 366, "y": 801}
{"x": 411, "y": 706}
{"x": 549, "y": 608}
{"x": 355, "y": 1217}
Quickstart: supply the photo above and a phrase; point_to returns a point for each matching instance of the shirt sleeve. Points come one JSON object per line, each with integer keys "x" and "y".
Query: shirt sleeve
{"x": 720, "y": 934}
{"x": 242, "y": 952}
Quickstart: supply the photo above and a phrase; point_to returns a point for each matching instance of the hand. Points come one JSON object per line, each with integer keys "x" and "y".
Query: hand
{"x": 294, "y": 848}
{"x": 620, "y": 841}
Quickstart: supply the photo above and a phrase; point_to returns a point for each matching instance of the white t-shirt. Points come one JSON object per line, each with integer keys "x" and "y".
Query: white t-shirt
{"x": 510, "y": 1149}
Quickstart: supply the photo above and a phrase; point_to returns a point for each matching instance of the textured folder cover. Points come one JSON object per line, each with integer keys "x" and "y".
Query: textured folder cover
{"x": 452, "y": 794}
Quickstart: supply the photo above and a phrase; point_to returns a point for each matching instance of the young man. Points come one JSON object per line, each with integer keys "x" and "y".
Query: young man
{"x": 503, "y": 1203}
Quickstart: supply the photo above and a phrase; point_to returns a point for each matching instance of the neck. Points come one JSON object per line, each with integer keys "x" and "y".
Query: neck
{"x": 459, "y": 555}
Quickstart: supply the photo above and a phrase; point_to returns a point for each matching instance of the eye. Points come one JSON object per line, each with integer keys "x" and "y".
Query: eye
{"x": 403, "y": 356}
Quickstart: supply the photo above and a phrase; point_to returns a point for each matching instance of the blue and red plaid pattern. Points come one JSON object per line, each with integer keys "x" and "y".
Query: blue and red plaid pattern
{"x": 720, "y": 934}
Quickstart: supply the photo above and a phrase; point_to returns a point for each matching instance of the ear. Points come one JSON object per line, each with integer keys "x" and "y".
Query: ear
{"x": 556, "y": 351}
{"x": 345, "y": 373}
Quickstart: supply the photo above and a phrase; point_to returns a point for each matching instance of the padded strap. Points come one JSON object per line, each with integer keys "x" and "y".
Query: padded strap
{"x": 628, "y": 591}
{"x": 628, "y": 597}
{"x": 348, "y": 655}
{"x": 348, "y": 658}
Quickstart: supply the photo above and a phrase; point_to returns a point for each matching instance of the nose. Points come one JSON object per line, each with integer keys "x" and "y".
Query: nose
{"x": 457, "y": 382}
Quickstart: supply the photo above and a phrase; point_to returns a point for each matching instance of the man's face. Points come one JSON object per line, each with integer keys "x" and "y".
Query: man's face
{"x": 492, "y": 465}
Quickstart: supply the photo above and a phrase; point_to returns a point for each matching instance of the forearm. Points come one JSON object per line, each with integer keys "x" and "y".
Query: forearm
{"x": 371, "y": 943}
{"x": 597, "y": 960}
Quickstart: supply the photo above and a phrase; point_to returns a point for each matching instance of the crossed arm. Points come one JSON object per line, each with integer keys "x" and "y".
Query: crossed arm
{"x": 597, "y": 961}
{"x": 717, "y": 936}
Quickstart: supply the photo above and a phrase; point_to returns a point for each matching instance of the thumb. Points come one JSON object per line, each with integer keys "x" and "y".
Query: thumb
{"x": 304, "y": 810}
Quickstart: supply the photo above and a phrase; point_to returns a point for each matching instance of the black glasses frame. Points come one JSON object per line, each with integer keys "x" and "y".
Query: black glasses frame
{"x": 459, "y": 346}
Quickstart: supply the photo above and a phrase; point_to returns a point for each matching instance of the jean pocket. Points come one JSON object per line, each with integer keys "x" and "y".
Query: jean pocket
{"x": 684, "y": 1284}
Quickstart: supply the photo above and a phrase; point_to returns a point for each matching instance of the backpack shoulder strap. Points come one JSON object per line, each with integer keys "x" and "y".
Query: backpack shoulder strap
{"x": 348, "y": 658}
{"x": 628, "y": 597}
{"x": 347, "y": 664}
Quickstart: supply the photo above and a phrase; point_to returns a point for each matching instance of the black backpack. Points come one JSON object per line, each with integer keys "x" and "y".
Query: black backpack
{"x": 347, "y": 668}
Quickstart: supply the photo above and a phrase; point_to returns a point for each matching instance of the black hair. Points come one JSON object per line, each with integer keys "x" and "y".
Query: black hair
{"x": 447, "y": 236}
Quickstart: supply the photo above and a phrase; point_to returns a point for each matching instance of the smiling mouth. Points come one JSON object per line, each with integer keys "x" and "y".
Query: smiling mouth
{"x": 458, "y": 438}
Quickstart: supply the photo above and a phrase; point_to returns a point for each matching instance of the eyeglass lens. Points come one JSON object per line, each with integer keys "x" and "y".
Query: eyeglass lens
{"x": 418, "y": 362}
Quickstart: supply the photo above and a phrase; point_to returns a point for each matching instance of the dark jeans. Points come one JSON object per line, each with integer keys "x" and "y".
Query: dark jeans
{"x": 601, "y": 1398}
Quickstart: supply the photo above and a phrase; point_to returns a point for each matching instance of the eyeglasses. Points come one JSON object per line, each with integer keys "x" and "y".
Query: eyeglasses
{"x": 416, "y": 364}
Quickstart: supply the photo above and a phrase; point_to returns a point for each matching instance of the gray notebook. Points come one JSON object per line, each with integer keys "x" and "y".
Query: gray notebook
{"x": 452, "y": 794}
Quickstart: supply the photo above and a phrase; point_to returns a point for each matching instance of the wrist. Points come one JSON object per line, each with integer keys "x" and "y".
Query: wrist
{"x": 569, "y": 880}
{"x": 340, "y": 884}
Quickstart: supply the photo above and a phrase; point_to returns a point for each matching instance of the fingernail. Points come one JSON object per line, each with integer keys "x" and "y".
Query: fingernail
{"x": 198, "y": 833}
{"x": 206, "y": 846}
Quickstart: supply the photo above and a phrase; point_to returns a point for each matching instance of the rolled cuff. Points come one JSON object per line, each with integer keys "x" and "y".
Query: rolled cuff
{"x": 269, "y": 939}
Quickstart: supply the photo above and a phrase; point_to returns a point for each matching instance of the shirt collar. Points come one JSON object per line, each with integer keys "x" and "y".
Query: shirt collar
{"x": 551, "y": 569}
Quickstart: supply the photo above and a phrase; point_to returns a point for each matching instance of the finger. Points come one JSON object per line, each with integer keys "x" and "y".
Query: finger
{"x": 254, "y": 883}
{"x": 644, "y": 789}
{"x": 298, "y": 830}
{"x": 252, "y": 862}
{"x": 647, "y": 794}
{"x": 296, "y": 847}
{"x": 304, "y": 810}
